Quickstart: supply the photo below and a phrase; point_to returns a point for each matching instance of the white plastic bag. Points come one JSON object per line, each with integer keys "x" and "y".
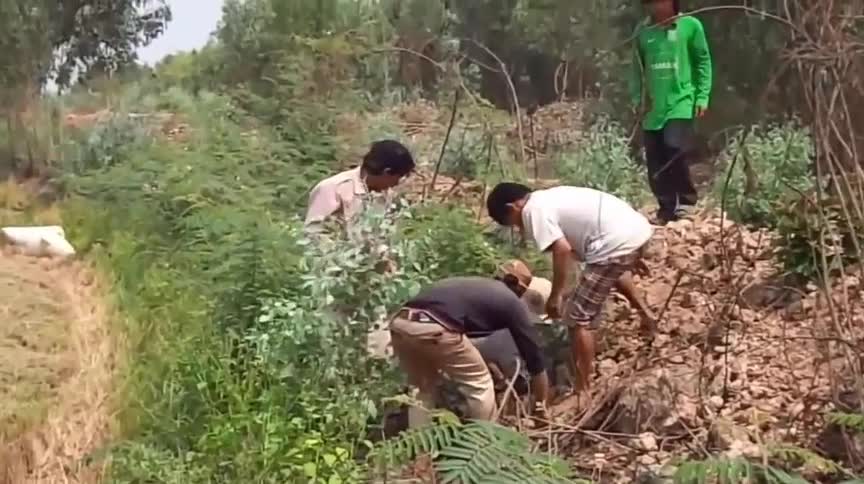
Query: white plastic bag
{"x": 43, "y": 241}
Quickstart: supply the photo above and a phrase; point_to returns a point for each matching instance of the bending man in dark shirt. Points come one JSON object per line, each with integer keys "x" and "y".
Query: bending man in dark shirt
{"x": 431, "y": 336}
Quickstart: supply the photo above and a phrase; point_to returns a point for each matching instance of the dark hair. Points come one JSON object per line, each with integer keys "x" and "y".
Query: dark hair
{"x": 388, "y": 157}
{"x": 676, "y": 5}
{"x": 503, "y": 194}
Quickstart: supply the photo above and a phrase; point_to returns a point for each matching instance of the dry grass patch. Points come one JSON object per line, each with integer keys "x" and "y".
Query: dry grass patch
{"x": 57, "y": 365}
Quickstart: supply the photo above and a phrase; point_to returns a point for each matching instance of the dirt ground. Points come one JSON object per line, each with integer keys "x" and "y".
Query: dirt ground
{"x": 57, "y": 363}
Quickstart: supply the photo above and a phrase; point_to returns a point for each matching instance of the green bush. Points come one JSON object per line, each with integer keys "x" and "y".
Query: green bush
{"x": 455, "y": 244}
{"x": 773, "y": 165}
{"x": 601, "y": 160}
{"x": 246, "y": 339}
{"x": 813, "y": 228}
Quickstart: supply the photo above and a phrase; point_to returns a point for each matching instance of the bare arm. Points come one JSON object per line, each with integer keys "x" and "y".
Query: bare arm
{"x": 562, "y": 255}
{"x": 702, "y": 65}
{"x": 540, "y": 387}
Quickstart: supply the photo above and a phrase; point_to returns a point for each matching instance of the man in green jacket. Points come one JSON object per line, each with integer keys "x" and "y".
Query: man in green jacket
{"x": 673, "y": 64}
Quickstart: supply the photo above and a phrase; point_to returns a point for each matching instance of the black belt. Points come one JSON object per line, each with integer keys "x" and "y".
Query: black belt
{"x": 424, "y": 316}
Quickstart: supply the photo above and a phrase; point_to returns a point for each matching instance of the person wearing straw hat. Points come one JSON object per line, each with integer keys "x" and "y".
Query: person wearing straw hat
{"x": 533, "y": 290}
{"x": 498, "y": 349}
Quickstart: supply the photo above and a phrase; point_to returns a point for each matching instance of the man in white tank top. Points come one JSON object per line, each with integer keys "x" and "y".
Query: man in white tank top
{"x": 591, "y": 226}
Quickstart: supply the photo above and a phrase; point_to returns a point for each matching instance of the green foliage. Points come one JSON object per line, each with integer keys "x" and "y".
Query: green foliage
{"x": 807, "y": 460}
{"x": 453, "y": 244}
{"x": 108, "y": 144}
{"x": 601, "y": 160}
{"x": 247, "y": 336}
{"x": 231, "y": 312}
{"x": 850, "y": 421}
{"x": 773, "y": 167}
{"x": 731, "y": 471}
{"x": 817, "y": 238}
{"x": 45, "y": 38}
{"x": 475, "y": 453}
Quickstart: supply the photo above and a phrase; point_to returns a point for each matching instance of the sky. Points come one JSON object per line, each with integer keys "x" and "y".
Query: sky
{"x": 193, "y": 22}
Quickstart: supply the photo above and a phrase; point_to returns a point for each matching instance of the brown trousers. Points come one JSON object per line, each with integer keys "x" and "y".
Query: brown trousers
{"x": 426, "y": 350}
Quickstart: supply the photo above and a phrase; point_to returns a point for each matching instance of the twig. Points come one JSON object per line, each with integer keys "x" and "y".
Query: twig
{"x": 508, "y": 392}
{"x": 517, "y": 109}
{"x": 453, "y": 113}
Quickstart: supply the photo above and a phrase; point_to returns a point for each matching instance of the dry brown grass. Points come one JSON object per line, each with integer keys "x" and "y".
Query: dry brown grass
{"x": 57, "y": 367}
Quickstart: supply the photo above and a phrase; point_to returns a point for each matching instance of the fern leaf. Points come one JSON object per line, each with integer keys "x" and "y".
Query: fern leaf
{"x": 808, "y": 460}
{"x": 778, "y": 476}
{"x": 478, "y": 452}
{"x": 850, "y": 421}
{"x": 731, "y": 471}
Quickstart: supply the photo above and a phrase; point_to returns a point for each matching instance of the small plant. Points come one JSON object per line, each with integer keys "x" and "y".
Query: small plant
{"x": 601, "y": 160}
{"x": 850, "y": 421}
{"x": 812, "y": 228}
{"x": 722, "y": 470}
{"x": 773, "y": 165}
{"x": 474, "y": 453}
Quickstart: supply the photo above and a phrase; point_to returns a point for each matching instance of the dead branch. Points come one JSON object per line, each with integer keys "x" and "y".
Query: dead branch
{"x": 454, "y": 111}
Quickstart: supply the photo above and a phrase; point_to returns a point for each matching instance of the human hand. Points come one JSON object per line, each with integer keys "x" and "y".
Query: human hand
{"x": 700, "y": 111}
{"x": 553, "y": 307}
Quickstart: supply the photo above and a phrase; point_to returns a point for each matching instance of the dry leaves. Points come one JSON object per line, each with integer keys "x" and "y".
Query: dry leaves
{"x": 741, "y": 361}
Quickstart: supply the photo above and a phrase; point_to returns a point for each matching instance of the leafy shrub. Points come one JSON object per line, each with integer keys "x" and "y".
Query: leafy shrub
{"x": 850, "y": 421}
{"x": 813, "y": 228}
{"x": 246, "y": 337}
{"x": 475, "y": 453}
{"x": 601, "y": 160}
{"x": 467, "y": 154}
{"x": 108, "y": 143}
{"x": 726, "y": 470}
{"x": 773, "y": 166}
{"x": 453, "y": 243}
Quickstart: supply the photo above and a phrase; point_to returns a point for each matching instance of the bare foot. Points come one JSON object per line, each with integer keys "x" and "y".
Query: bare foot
{"x": 584, "y": 399}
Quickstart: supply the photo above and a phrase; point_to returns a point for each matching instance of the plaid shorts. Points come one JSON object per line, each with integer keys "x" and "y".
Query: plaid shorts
{"x": 584, "y": 305}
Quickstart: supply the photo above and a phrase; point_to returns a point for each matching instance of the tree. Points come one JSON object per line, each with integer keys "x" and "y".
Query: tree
{"x": 42, "y": 39}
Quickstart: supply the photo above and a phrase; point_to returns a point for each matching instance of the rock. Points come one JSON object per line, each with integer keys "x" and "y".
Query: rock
{"x": 647, "y": 441}
{"x": 649, "y": 477}
{"x": 772, "y": 294}
{"x": 646, "y": 405}
{"x": 607, "y": 366}
{"x": 689, "y": 300}
{"x": 680, "y": 263}
{"x": 716, "y": 402}
{"x": 709, "y": 261}
{"x": 647, "y": 460}
{"x": 733, "y": 438}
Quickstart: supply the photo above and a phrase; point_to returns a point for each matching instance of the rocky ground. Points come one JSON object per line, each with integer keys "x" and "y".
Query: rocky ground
{"x": 743, "y": 365}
